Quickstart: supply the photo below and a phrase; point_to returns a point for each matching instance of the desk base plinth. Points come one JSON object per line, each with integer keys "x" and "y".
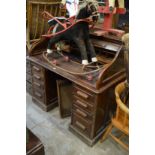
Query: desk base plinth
{"x": 85, "y": 139}
{"x": 43, "y": 106}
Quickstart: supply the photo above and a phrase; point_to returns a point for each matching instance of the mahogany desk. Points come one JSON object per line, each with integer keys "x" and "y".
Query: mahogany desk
{"x": 93, "y": 101}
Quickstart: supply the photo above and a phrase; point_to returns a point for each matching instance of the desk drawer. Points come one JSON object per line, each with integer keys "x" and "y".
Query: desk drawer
{"x": 29, "y": 87}
{"x": 82, "y": 125}
{"x": 28, "y": 70}
{"x": 83, "y": 104}
{"x": 38, "y": 85}
{"x": 28, "y": 77}
{"x": 38, "y": 95}
{"x": 84, "y": 94}
{"x": 85, "y": 115}
{"x": 37, "y": 77}
{"x": 36, "y": 69}
{"x": 28, "y": 63}
{"x": 28, "y": 66}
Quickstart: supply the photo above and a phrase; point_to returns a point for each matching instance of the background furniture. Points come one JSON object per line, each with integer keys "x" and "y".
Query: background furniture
{"x": 121, "y": 119}
{"x": 36, "y": 25}
{"x": 33, "y": 144}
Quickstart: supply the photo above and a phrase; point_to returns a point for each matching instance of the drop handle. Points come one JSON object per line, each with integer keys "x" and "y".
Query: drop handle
{"x": 38, "y": 94}
{"x": 81, "y": 113}
{"x": 36, "y": 68}
{"x": 82, "y": 94}
{"x": 37, "y": 84}
{"x": 82, "y": 104}
{"x": 37, "y": 77}
{"x": 80, "y": 125}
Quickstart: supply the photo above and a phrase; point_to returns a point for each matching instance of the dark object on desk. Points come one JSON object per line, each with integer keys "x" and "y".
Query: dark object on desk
{"x": 77, "y": 30}
{"x": 33, "y": 144}
{"x": 64, "y": 88}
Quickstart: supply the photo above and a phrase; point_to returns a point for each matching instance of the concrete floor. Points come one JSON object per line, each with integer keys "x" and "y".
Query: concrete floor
{"x": 58, "y": 140}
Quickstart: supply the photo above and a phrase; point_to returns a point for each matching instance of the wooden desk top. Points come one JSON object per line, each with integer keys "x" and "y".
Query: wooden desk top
{"x": 79, "y": 80}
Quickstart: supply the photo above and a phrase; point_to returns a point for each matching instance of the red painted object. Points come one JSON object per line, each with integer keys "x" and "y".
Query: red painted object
{"x": 108, "y": 18}
{"x": 54, "y": 62}
{"x": 89, "y": 77}
{"x": 66, "y": 58}
{"x": 67, "y": 25}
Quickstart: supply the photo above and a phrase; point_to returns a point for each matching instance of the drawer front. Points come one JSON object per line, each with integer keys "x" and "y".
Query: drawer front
{"x": 38, "y": 78}
{"x": 84, "y": 94}
{"x": 27, "y": 63}
{"x": 28, "y": 70}
{"x": 82, "y": 125}
{"x": 38, "y": 95}
{"x": 83, "y": 104}
{"x": 28, "y": 66}
{"x": 38, "y": 85}
{"x": 85, "y": 115}
{"x": 28, "y": 77}
{"x": 29, "y": 87}
{"x": 36, "y": 69}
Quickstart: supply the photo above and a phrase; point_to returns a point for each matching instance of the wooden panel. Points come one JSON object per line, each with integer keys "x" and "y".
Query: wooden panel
{"x": 36, "y": 25}
{"x": 85, "y": 115}
{"x": 28, "y": 67}
{"x": 33, "y": 144}
{"x": 36, "y": 69}
{"x": 81, "y": 124}
{"x": 38, "y": 95}
{"x": 83, "y": 104}
{"x": 28, "y": 70}
{"x": 38, "y": 80}
{"x": 50, "y": 87}
{"x": 64, "y": 88}
{"x": 28, "y": 78}
{"x": 105, "y": 109}
{"x": 84, "y": 94}
{"x": 38, "y": 85}
{"x": 29, "y": 88}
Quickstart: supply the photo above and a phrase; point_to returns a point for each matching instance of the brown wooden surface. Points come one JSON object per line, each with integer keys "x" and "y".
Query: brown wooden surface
{"x": 80, "y": 80}
{"x": 36, "y": 25}
{"x": 34, "y": 145}
{"x": 64, "y": 88}
{"x": 121, "y": 119}
{"x": 93, "y": 101}
{"x": 28, "y": 77}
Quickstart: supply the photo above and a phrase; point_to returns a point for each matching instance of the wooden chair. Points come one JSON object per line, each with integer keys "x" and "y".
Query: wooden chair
{"x": 35, "y": 24}
{"x": 121, "y": 119}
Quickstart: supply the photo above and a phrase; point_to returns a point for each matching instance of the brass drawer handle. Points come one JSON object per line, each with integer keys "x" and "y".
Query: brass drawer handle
{"x": 37, "y": 94}
{"x": 81, "y": 113}
{"x": 82, "y": 94}
{"x": 36, "y": 68}
{"x": 80, "y": 125}
{"x": 37, "y": 84}
{"x": 82, "y": 104}
{"x": 37, "y": 77}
